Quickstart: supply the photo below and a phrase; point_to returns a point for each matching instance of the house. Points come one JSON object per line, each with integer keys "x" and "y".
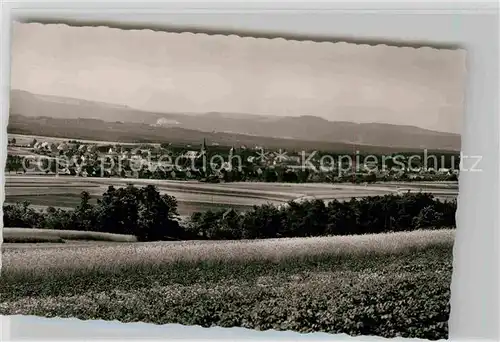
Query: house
{"x": 191, "y": 154}
{"x": 126, "y": 155}
{"x": 323, "y": 168}
{"x": 226, "y": 166}
{"x": 371, "y": 165}
{"x": 72, "y": 146}
{"x": 281, "y": 158}
{"x": 63, "y": 147}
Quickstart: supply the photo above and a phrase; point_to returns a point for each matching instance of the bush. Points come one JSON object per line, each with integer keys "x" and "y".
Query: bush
{"x": 21, "y": 215}
{"x": 378, "y": 214}
{"x": 135, "y": 211}
{"x": 130, "y": 210}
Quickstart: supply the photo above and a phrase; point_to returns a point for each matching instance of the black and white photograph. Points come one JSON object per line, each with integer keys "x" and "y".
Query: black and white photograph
{"x": 225, "y": 181}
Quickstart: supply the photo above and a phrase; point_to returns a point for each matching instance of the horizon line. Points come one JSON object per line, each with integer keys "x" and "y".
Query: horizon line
{"x": 212, "y": 111}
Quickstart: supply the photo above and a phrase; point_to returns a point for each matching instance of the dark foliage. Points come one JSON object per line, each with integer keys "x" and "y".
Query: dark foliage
{"x": 15, "y": 164}
{"x": 378, "y": 214}
{"x": 142, "y": 212}
{"x": 150, "y": 216}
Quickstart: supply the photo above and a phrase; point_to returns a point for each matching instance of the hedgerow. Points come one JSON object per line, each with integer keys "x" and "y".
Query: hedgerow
{"x": 145, "y": 213}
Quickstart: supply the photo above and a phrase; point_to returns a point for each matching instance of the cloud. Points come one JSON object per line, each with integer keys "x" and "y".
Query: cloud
{"x": 199, "y": 73}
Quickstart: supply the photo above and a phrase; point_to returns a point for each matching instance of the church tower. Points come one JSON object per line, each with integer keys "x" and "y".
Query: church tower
{"x": 203, "y": 149}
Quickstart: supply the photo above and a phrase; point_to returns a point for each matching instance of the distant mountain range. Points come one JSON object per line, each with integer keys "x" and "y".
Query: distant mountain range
{"x": 304, "y": 128}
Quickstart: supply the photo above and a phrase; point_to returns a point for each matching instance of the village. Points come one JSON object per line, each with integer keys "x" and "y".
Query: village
{"x": 215, "y": 163}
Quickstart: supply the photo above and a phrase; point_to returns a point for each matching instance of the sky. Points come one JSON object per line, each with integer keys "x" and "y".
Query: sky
{"x": 185, "y": 72}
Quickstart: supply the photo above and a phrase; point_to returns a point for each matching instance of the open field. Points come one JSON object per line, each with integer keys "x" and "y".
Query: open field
{"x": 23, "y": 139}
{"x": 19, "y": 151}
{"x": 71, "y": 200}
{"x": 369, "y": 284}
{"x": 50, "y": 235}
{"x": 64, "y": 191}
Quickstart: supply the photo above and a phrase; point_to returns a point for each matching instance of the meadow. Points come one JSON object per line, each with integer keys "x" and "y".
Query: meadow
{"x": 394, "y": 284}
{"x": 71, "y": 200}
{"x": 22, "y": 235}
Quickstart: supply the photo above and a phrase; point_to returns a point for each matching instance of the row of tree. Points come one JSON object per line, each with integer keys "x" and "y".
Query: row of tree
{"x": 14, "y": 163}
{"x": 369, "y": 215}
{"x": 150, "y": 216}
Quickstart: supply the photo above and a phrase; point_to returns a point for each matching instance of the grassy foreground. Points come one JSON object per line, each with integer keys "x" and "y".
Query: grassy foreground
{"x": 386, "y": 284}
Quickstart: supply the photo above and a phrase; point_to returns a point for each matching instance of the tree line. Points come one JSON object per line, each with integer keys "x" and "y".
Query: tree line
{"x": 150, "y": 216}
{"x": 14, "y": 163}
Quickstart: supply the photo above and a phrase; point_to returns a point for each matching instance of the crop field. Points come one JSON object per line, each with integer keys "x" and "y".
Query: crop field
{"x": 64, "y": 191}
{"x": 69, "y": 201}
{"x": 17, "y": 151}
{"x": 20, "y": 235}
{"x": 390, "y": 285}
{"x": 23, "y": 139}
